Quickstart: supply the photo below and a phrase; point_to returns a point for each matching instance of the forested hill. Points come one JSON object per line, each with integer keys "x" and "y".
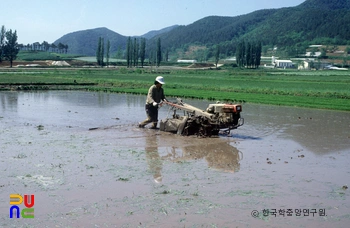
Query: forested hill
{"x": 312, "y": 22}
{"x": 85, "y": 42}
{"x": 154, "y": 33}
{"x": 326, "y": 4}
{"x": 214, "y": 29}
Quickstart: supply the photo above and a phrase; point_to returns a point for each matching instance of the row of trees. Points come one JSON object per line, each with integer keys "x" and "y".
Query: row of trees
{"x": 44, "y": 46}
{"x": 248, "y": 55}
{"x": 8, "y": 45}
{"x": 136, "y": 50}
{"x": 135, "y": 53}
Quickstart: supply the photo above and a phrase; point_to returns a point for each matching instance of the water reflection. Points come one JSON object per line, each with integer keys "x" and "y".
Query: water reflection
{"x": 220, "y": 155}
{"x": 153, "y": 159}
{"x": 9, "y": 101}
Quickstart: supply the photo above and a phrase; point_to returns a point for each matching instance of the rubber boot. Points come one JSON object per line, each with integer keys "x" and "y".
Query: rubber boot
{"x": 154, "y": 125}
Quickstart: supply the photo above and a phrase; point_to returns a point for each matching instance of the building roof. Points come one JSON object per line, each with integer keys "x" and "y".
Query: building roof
{"x": 284, "y": 61}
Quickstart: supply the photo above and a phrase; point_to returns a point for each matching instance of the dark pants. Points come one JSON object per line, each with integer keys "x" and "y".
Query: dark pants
{"x": 152, "y": 115}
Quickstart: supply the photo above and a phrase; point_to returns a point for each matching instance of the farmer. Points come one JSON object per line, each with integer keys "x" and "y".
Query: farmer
{"x": 153, "y": 101}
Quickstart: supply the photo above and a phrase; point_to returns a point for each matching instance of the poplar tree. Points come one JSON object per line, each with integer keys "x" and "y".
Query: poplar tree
{"x": 258, "y": 54}
{"x": 98, "y": 51}
{"x": 129, "y": 52}
{"x": 102, "y": 51}
{"x": 240, "y": 54}
{"x": 248, "y": 55}
{"x": 217, "y": 55}
{"x": 159, "y": 52}
{"x": 143, "y": 51}
{"x": 136, "y": 52}
{"x": 108, "y": 50}
{"x": 2, "y": 41}
{"x": 166, "y": 58}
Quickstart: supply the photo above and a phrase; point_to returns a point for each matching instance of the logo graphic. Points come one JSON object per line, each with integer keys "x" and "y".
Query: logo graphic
{"x": 27, "y": 212}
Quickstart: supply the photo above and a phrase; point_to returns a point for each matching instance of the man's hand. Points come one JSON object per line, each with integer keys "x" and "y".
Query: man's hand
{"x": 155, "y": 104}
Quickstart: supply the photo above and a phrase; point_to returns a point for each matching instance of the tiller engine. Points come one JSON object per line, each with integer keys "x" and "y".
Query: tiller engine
{"x": 216, "y": 118}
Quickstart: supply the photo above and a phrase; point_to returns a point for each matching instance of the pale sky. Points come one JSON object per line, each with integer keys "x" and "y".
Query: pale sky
{"x": 49, "y": 20}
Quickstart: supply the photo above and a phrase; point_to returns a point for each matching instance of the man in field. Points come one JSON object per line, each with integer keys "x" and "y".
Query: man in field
{"x": 153, "y": 101}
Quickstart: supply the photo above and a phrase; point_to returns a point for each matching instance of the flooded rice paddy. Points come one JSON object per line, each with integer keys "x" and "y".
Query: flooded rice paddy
{"x": 286, "y": 167}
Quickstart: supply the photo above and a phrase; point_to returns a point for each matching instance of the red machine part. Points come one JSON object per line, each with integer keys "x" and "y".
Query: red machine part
{"x": 232, "y": 108}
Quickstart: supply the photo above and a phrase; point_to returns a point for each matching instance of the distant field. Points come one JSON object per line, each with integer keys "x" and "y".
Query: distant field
{"x": 314, "y": 89}
{"x": 42, "y": 56}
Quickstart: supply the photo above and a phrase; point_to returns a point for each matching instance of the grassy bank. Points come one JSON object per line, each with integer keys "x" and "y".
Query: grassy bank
{"x": 314, "y": 89}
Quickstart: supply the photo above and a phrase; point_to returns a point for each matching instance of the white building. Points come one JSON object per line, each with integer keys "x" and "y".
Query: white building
{"x": 186, "y": 61}
{"x": 283, "y": 63}
{"x": 315, "y": 54}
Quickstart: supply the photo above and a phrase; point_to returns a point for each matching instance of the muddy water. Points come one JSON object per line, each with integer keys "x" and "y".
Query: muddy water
{"x": 283, "y": 159}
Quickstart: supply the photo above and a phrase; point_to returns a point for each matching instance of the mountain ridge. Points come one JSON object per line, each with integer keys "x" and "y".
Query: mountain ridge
{"x": 311, "y": 21}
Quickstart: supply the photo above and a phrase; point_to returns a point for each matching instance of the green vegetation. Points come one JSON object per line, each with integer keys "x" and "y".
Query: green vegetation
{"x": 314, "y": 89}
{"x": 249, "y": 56}
{"x": 291, "y": 29}
{"x": 100, "y": 52}
{"x": 41, "y": 55}
{"x": 8, "y": 45}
